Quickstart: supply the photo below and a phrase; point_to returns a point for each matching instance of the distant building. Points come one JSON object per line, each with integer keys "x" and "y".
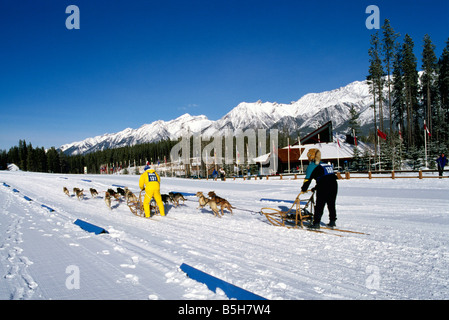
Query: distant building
{"x": 333, "y": 150}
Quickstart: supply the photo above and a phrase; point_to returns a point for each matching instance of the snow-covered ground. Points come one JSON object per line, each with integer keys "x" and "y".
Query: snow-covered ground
{"x": 44, "y": 255}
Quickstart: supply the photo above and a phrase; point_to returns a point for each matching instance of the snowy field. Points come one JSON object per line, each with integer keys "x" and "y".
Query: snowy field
{"x": 44, "y": 255}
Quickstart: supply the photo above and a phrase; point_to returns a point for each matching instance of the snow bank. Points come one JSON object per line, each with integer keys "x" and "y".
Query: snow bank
{"x": 13, "y": 167}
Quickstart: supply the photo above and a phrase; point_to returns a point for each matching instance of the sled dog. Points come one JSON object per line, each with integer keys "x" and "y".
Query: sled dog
{"x": 223, "y": 203}
{"x": 121, "y": 191}
{"x": 203, "y": 201}
{"x": 175, "y": 197}
{"x": 93, "y": 192}
{"x": 107, "y": 199}
{"x": 79, "y": 194}
{"x": 114, "y": 194}
{"x": 66, "y": 191}
{"x": 165, "y": 198}
{"x": 130, "y": 196}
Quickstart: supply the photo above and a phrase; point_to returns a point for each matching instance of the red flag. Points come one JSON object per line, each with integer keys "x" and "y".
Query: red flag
{"x": 426, "y": 129}
{"x": 381, "y": 134}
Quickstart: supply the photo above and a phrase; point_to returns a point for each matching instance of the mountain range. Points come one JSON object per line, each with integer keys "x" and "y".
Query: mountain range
{"x": 308, "y": 113}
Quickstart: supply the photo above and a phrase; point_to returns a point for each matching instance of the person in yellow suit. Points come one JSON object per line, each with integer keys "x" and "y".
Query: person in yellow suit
{"x": 150, "y": 181}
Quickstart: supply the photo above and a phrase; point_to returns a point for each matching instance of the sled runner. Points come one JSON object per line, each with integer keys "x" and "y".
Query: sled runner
{"x": 136, "y": 206}
{"x": 301, "y": 211}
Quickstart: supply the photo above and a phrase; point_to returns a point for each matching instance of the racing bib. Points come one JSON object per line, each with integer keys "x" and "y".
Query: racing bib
{"x": 328, "y": 169}
{"x": 152, "y": 177}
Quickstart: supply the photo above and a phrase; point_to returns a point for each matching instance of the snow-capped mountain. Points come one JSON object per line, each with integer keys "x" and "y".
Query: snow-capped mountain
{"x": 305, "y": 115}
{"x": 153, "y": 132}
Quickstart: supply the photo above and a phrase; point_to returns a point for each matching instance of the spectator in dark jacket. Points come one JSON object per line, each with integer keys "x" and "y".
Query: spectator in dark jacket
{"x": 441, "y": 162}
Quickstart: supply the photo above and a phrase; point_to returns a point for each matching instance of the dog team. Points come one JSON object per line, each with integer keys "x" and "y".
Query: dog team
{"x": 213, "y": 201}
{"x": 126, "y": 193}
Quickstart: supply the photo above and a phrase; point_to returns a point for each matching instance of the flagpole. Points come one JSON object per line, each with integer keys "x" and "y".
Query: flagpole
{"x": 288, "y": 154}
{"x": 338, "y": 153}
{"x": 300, "y": 154}
{"x": 378, "y": 143}
{"x": 400, "y": 147}
{"x": 425, "y": 142}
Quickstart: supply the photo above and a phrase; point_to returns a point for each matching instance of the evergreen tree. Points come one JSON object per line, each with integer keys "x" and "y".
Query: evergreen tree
{"x": 3, "y": 160}
{"x": 428, "y": 83}
{"x": 375, "y": 78}
{"x": 409, "y": 64}
{"x": 354, "y": 128}
{"x": 53, "y": 163}
{"x": 398, "y": 92}
{"x": 377, "y": 74}
{"x": 31, "y": 162}
{"x": 388, "y": 48}
{"x": 354, "y": 125}
{"x": 443, "y": 88}
{"x": 23, "y": 153}
{"x": 13, "y": 155}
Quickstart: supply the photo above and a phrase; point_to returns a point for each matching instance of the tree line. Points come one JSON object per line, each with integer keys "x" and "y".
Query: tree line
{"x": 414, "y": 101}
{"x": 38, "y": 159}
{"x": 29, "y": 158}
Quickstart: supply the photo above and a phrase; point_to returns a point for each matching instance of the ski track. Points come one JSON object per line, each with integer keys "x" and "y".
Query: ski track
{"x": 405, "y": 255}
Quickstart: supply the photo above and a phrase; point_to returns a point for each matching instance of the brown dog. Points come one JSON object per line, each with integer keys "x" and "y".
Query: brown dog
{"x": 203, "y": 201}
{"x": 79, "y": 194}
{"x": 114, "y": 194}
{"x": 66, "y": 191}
{"x": 175, "y": 197}
{"x": 223, "y": 203}
{"x": 107, "y": 199}
{"x": 93, "y": 192}
{"x": 130, "y": 196}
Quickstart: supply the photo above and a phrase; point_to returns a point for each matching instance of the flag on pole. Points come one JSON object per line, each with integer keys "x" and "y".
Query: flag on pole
{"x": 381, "y": 134}
{"x": 426, "y": 129}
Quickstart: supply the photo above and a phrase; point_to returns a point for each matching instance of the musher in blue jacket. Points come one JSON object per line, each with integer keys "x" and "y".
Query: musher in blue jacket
{"x": 326, "y": 187}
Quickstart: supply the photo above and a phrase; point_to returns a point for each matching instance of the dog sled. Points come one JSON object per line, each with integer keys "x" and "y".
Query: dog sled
{"x": 299, "y": 213}
{"x": 135, "y": 204}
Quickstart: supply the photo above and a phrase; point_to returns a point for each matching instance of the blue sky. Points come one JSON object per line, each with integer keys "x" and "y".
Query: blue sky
{"x": 133, "y": 62}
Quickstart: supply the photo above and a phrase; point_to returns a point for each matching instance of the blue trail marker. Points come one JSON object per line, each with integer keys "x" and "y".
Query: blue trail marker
{"x": 89, "y": 227}
{"x": 47, "y": 207}
{"x": 233, "y": 292}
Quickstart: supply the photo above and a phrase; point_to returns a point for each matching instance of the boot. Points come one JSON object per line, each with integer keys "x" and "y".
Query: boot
{"x": 331, "y": 224}
{"x": 314, "y": 226}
